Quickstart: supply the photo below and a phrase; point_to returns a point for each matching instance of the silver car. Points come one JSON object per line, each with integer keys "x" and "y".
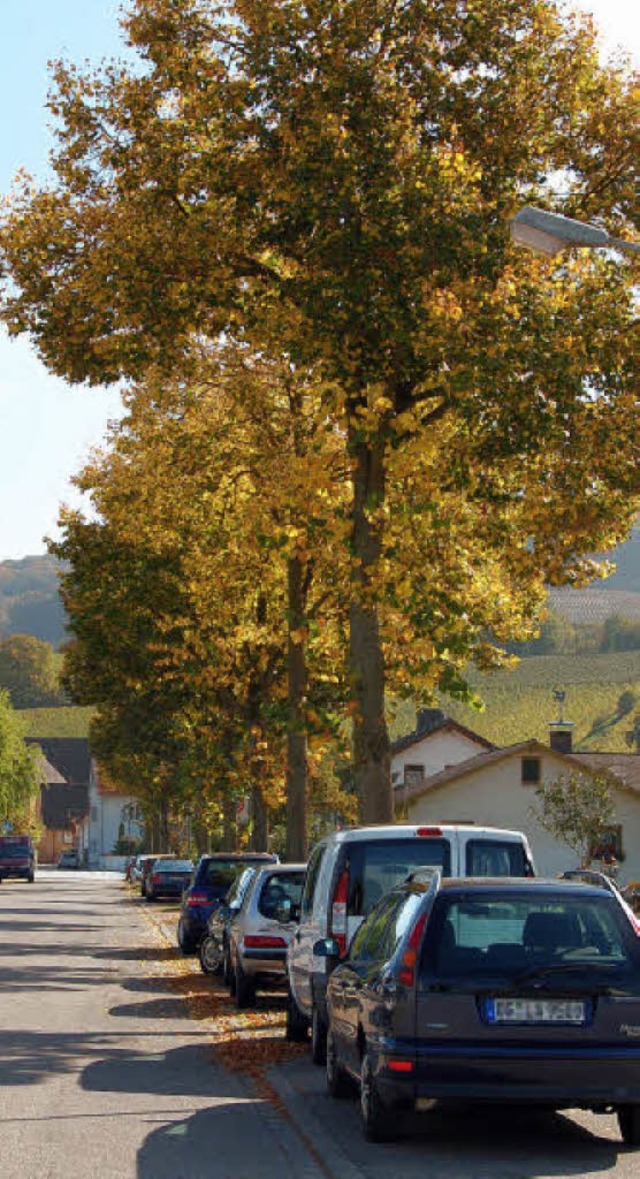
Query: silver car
{"x": 262, "y": 930}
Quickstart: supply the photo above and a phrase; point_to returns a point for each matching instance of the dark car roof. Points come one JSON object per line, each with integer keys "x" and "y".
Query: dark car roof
{"x": 527, "y": 885}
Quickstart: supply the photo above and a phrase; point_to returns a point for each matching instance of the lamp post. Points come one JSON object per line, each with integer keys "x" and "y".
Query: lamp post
{"x": 548, "y": 233}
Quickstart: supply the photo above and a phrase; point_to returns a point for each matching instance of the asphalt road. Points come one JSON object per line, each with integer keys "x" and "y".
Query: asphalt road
{"x": 103, "y": 1072}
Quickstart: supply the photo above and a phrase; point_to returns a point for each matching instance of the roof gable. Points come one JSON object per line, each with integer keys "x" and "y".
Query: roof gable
{"x": 446, "y": 725}
{"x": 627, "y": 775}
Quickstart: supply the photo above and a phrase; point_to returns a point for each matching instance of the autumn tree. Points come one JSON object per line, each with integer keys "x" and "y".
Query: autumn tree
{"x": 28, "y": 672}
{"x": 245, "y": 500}
{"x": 333, "y": 182}
{"x": 19, "y": 780}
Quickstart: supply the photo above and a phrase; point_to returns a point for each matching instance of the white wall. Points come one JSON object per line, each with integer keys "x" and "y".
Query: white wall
{"x": 434, "y": 752}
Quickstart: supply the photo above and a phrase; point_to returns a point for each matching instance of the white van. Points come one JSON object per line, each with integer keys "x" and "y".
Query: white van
{"x": 350, "y": 870}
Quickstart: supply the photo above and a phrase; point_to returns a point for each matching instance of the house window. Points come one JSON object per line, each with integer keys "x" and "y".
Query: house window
{"x": 609, "y": 848}
{"x": 531, "y": 771}
{"x": 413, "y": 775}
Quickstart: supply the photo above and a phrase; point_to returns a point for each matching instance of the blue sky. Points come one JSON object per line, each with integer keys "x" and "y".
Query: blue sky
{"x": 47, "y": 427}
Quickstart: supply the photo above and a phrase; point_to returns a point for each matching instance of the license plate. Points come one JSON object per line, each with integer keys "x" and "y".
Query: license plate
{"x": 535, "y": 1011}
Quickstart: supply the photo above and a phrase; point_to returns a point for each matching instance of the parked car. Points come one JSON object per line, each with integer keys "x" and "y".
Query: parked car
{"x": 17, "y": 858}
{"x": 601, "y": 880}
{"x": 214, "y": 947}
{"x": 498, "y": 990}
{"x": 147, "y": 865}
{"x": 129, "y": 868}
{"x": 213, "y": 876}
{"x": 69, "y": 859}
{"x": 262, "y": 930}
{"x": 350, "y": 870}
{"x": 168, "y": 878}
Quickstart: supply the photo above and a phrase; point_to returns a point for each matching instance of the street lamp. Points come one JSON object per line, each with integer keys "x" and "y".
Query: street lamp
{"x": 548, "y": 233}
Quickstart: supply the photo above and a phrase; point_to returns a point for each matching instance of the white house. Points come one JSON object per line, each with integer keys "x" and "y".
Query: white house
{"x": 437, "y": 742}
{"x": 110, "y": 814}
{"x": 496, "y": 787}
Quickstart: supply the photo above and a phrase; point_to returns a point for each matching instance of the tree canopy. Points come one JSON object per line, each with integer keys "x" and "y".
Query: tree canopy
{"x": 331, "y": 183}
{"x": 19, "y": 779}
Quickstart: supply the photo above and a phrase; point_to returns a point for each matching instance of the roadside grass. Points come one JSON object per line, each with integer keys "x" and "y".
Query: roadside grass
{"x": 66, "y": 721}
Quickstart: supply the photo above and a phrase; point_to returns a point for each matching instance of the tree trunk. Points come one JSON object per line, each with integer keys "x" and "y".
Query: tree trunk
{"x": 296, "y": 848}
{"x": 229, "y": 838}
{"x": 259, "y": 821}
{"x": 371, "y": 753}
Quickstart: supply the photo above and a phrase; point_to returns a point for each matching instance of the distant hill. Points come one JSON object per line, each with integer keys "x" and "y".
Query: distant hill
{"x": 29, "y": 599}
{"x": 30, "y": 603}
{"x": 617, "y": 595}
{"x": 519, "y": 704}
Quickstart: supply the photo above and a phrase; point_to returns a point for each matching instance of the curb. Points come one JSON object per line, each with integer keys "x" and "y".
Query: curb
{"x": 335, "y": 1163}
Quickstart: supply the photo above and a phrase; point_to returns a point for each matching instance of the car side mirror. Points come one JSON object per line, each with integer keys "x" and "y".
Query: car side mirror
{"x": 283, "y": 910}
{"x": 326, "y": 947}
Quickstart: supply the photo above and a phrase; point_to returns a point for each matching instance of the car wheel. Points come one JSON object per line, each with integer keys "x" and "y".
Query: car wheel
{"x": 338, "y": 1081}
{"x": 629, "y": 1123}
{"x": 378, "y": 1123}
{"x": 186, "y": 944}
{"x": 30, "y": 879}
{"x": 210, "y": 955}
{"x": 318, "y": 1037}
{"x": 149, "y": 896}
{"x": 245, "y": 990}
{"x": 297, "y": 1029}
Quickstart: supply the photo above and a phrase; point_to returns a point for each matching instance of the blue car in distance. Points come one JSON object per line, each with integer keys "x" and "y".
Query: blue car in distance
{"x": 213, "y": 876}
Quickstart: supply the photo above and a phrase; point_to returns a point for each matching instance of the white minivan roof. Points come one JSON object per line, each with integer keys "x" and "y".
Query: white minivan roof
{"x": 391, "y": 831}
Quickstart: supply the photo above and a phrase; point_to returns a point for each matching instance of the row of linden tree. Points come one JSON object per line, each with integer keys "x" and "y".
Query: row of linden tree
{"x": 363, "y": 432}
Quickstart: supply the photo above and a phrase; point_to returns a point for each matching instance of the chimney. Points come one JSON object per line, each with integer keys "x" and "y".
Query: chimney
{"x": 428, "y": 719}
{"x": 561, "y": 736}
{"x": 561, "y": 730}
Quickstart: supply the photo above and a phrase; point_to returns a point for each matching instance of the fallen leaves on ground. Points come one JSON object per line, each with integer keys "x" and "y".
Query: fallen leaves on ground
{"x": 247, "y": 1042}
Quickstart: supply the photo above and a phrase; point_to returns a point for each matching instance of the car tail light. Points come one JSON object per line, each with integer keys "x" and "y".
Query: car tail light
{"x": 429, "y": 832}
{"x": 258, "y": 941}
{"x": 339, "y": 912}
{"x": 400, "y": 1066}
{"x": 407, "y": 973}
{"x": 156, "y": 878}
{"x": 197, "y": 898}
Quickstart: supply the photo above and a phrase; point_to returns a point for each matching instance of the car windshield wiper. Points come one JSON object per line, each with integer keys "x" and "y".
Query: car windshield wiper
{"x": 565, "y": 968}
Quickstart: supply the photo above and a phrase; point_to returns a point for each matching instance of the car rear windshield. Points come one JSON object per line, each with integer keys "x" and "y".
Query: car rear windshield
{"x": 283, "y": 886}
{"x": 173, "y": 866}
{"x": 377, "y": 866}
{"x": 496, "y": 857}
{"x": 509, "y": 935}
{"x": 14, "y": 851}
{"x": 220, "y": 874}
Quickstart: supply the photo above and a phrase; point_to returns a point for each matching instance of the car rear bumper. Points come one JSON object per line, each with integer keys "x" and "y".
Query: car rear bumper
{"x": 585, "y": 1076}
{"x": 272, "y": 963}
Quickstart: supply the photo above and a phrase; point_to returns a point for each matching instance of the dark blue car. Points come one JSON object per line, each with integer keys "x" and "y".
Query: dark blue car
{"x": 504, "y": 991}
{"x": 212, "y": 879}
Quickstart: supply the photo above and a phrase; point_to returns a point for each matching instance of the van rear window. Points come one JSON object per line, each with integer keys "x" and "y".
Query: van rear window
{"x": 495, "y": 857}
{"x": 376, "y": 867}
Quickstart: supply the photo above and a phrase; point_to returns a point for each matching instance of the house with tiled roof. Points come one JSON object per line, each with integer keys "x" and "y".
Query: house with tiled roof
{"x": 497, "y": 787}
{"x": 64, "y": 792}
{"x": 79, "y": 808}
{"x": 437, "y": 741}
